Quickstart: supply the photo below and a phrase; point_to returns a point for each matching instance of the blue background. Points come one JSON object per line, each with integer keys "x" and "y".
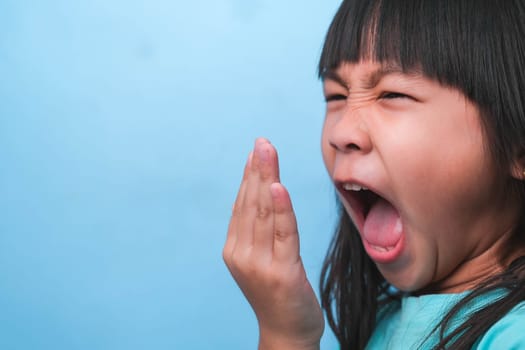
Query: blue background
{"x": 124, "y": 127}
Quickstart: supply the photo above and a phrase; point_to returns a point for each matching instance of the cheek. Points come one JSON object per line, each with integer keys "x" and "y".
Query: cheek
{"x": 443, "y": 153}
{"x": 444, "y": 182}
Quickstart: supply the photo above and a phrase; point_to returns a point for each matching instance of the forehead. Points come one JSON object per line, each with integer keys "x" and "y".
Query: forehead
{"x": 367, "y": 73}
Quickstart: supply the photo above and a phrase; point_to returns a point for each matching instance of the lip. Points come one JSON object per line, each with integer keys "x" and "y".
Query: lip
{"x": 357, "y": 214}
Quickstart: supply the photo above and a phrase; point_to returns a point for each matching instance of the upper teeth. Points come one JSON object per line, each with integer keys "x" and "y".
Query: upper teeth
{"x": 353, "y": 187}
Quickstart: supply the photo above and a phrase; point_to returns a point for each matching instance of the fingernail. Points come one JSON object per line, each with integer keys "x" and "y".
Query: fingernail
{"x": 262, "y": 152}
{"x": 261, "y": 141}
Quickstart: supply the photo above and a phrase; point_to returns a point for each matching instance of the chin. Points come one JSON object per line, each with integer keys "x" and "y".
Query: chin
{"x": 404, "y": 280}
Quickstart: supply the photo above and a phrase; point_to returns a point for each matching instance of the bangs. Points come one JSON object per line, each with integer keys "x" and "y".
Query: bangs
{"x": 475, "y": 46}
{"x": 444, "y": 39}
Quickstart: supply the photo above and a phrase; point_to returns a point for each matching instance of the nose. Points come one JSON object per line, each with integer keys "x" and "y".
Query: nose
{"x": 350, "y": 133}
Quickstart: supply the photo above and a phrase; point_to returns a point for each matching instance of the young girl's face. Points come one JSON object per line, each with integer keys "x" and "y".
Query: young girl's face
{"x": 435, "y": 212}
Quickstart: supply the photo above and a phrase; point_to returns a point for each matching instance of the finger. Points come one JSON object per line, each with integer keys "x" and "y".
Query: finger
{"x": 248, "y": 204}
{"x": 269, "y": 169}
{"x": 286, "y": 238}
{"x": 236, "y": 210}
{"x": 264, "y": 220}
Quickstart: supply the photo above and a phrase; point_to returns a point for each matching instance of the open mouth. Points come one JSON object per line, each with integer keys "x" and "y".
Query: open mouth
{"x": 367, "y": 198}
{"x": 360, "y": 198}
{"x": 377, "y": 220}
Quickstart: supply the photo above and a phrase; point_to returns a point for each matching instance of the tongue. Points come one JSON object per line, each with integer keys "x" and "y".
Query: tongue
{"x": 383, "y": 226}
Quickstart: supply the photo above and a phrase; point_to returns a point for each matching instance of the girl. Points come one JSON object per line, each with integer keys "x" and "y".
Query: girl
{"x": 424, "y": 140}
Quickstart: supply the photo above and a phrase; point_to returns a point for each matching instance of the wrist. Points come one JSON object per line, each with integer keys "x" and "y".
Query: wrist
{"x": 275, "y": 342}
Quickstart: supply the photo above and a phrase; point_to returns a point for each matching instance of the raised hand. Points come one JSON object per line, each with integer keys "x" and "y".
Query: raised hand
{"x": 262, "y": 254}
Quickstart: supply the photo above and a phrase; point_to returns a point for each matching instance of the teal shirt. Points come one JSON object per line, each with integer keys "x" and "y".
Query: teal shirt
{"x": 406, "y": 325}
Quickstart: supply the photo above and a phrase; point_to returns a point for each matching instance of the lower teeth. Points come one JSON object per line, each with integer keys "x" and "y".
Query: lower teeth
{"x": 381, "y": 249}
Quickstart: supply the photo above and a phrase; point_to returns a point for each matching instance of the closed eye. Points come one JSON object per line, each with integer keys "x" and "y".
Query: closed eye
{"x": 393, "y": 95}
{"x": 335, "y": 97}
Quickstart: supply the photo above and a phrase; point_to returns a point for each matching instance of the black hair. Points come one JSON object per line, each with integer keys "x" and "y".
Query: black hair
{"x": 474, "y": 46}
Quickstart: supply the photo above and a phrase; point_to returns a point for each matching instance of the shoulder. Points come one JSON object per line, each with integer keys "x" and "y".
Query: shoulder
{"x": 507, "y": 333}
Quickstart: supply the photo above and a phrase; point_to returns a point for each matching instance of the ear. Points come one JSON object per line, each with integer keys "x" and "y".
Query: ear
{"x": 517, "y": 169}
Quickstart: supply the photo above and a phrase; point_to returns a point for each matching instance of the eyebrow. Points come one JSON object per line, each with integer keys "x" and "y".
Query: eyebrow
{"x": 373, "y": 78}
{"x": 334, "y": 76}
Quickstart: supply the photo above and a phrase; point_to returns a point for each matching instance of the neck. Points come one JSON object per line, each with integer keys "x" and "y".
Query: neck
{"x": 480, "y": 268}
